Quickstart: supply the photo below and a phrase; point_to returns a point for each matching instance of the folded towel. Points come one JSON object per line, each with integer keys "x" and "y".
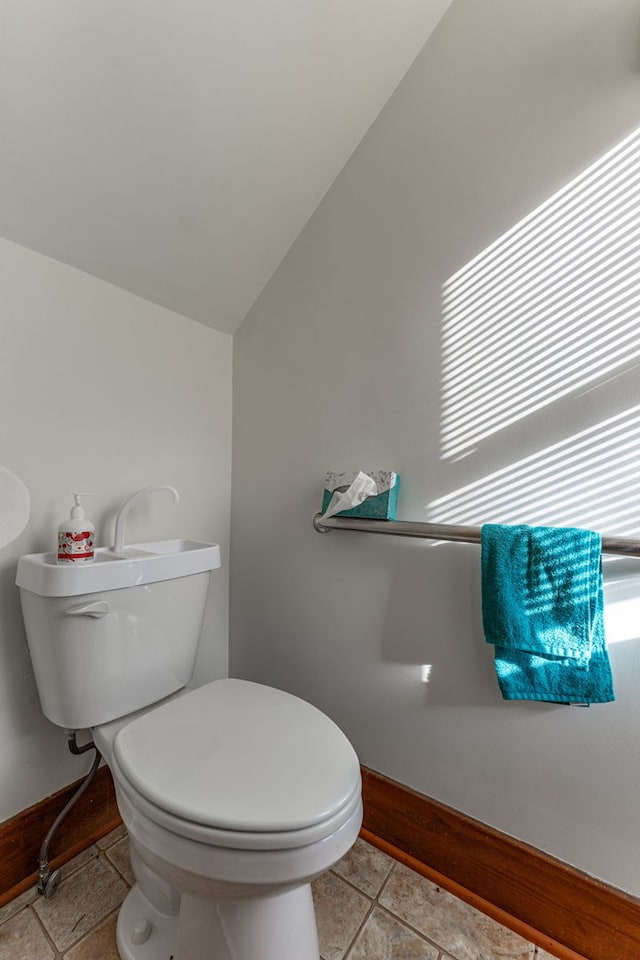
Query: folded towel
{"x": 542, "y": 608}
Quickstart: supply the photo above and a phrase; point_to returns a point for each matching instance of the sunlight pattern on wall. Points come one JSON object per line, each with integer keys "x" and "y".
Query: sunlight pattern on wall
{"x": 590, "y": 480}
{"x": 550, "y": 306}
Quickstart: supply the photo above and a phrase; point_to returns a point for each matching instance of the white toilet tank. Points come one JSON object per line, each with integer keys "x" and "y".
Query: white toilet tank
{"x": 111, "y": 637}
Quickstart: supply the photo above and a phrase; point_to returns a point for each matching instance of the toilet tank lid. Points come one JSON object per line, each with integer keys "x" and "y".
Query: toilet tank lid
{"x": 238, "y": 755}
{"x": 141, "y": 563}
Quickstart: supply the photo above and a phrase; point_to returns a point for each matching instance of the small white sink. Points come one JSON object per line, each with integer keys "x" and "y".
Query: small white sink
{"x": 138, "y": 563}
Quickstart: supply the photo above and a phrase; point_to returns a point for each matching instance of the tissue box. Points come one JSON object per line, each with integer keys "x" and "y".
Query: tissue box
{"x": 381, "y": 507}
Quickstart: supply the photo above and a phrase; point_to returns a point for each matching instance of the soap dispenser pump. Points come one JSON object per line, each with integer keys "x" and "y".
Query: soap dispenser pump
{"x": 76, "y": 536}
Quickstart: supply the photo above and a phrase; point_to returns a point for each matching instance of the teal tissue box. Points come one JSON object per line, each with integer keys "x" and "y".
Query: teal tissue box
{"x": 383, "y": 506}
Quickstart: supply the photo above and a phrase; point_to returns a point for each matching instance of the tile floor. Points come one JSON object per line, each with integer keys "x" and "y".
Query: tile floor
{"x": 368, "y": 906}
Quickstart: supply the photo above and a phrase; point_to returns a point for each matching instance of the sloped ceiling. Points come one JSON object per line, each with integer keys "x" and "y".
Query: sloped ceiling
{"x": 177, "y": 147}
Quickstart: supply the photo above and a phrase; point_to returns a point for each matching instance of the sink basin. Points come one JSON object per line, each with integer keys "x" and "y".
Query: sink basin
{"x": 137, "y": 564}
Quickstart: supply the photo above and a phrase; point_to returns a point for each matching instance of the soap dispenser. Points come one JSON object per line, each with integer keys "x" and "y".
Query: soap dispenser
{"x": 76, "y": 536}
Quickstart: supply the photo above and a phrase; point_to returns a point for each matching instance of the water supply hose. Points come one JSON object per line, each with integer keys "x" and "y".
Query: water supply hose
{"x": 48, "y": 880}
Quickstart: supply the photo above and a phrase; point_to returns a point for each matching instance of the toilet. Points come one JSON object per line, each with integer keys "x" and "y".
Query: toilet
{"x": 235, "y": 795}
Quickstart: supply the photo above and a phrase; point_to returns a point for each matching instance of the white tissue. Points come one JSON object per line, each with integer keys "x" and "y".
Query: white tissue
{"x": 362, "y": 487}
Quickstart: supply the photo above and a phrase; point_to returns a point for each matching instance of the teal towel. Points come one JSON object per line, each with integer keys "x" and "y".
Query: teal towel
{"x": 542, "y": 608}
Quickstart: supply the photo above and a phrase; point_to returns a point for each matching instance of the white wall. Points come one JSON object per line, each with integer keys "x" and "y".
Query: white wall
{"x": 340, "y": 365}
{"x": 198, "y": 136}
{"x": 105, "y": 392}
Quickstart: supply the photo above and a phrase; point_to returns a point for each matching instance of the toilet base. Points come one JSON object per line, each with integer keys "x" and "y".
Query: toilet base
{"x": 277, "y": 927}
{"x": 162, "y": 940}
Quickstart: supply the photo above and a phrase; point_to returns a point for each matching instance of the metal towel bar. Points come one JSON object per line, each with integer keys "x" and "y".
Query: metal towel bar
{"x": 621, "y": 546}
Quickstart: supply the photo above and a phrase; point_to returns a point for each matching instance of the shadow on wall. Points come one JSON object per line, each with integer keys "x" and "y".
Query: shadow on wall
{"x": 548, "y": 311}
{"x": 587, "y": 480}
{"x": 440, "y": 635}
{"x": 440, "y": 639}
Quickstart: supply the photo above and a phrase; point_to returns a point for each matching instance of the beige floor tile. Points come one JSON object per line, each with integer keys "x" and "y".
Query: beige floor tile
{"x": 118, "y": 854}
{"x": 21, "y": 938}
{"x": 15, "y": 906}
{"x": 339, "y": 912}
{"x": 100, "y": 944}
{"x": 365, "y": 867}
{"x": 460, "y": 930}
{"x": 91, "y": 853}
{"x": 80, "y": 919}
{"x": 112, "y": 837}
{"x": 385, "y": 938}
{"x": 82, "y": 900}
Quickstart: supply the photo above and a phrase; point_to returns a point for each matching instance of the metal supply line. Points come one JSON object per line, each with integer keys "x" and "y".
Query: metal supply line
{"x": 621, "y": 546}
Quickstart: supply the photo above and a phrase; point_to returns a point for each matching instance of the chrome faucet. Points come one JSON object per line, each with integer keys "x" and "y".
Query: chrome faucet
{"x": 118, "y": 539}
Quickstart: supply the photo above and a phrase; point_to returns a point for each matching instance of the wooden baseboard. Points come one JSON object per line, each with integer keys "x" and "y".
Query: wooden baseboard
{"x": 94, "y": 815}
{"x": 566, "y": 912}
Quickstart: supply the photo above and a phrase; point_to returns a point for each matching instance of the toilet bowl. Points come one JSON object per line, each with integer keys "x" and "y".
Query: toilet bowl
{"x": 235, "y": 795}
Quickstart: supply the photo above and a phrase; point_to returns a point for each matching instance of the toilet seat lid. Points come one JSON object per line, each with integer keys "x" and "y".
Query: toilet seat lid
{"x": 240, "y": 756}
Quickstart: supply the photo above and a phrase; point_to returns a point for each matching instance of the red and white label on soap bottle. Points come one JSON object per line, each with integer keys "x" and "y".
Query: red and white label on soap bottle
{"x": 75, "y": 547}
